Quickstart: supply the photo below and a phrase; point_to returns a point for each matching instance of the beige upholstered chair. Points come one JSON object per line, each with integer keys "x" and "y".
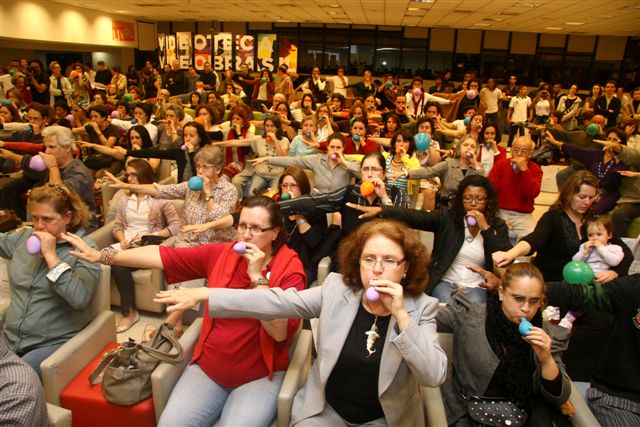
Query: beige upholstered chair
{"x": 165, "y": 377}
{"x": 434, "y": 405}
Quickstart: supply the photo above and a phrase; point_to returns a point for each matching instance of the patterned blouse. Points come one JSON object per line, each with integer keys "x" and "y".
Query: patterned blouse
{"x": 195, "y": 211}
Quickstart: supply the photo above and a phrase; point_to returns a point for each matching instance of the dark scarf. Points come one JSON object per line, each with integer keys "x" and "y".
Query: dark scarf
{"x": 514, "y": 375}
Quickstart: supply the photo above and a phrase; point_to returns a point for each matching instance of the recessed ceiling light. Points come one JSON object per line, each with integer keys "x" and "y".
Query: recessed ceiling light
{"x": 331, "y": 12}
{"x": 493, "y": 19}
{"x": 527, "y": 4}
{"x": 553, "y": 28}
{"x": 574, "y": 23}
{"x": 334, "y": 5}
{"x": 413, "y": 8}
{"x": 481, "y": 24}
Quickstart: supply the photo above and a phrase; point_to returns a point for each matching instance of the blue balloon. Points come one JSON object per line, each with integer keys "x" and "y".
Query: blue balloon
{"x": 524, "y": 327}
{"x": 467, "y": 120}
{"x": 422, "y": 141}
{"x": 195, "y": 183}
{"x": 356, "y": 137}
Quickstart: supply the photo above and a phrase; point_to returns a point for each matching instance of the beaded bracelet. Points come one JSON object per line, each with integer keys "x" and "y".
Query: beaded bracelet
{"x": 108, "y": 255}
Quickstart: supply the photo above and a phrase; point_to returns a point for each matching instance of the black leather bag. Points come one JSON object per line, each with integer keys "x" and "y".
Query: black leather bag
{"x": 487, "y": 411}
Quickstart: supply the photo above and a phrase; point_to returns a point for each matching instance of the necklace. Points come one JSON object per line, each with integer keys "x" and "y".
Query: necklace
{"x": 372, "y": 337}
{"x": 603, "y": 169}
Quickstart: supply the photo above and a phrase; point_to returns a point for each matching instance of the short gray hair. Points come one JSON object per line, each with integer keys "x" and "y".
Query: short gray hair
{"x": 64, "y": 137}
{"x": 212, "y": 155}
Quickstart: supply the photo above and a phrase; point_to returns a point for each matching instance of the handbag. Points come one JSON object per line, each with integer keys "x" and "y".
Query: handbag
{"x": 9, "y": 220}
{"x": 127, "y": 370}
{"x": 489, "y": 411}
{"x": 151, "y": 239}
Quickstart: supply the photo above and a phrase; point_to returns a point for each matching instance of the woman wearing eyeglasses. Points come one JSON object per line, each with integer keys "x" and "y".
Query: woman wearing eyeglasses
{"x": 373, "y": 353}
{"x": 493, "y": 362}
{"x": 466, "y": 235}
{"x": 238, "y": 364}
{"x": 604, "y": 164}
{"x": 372, "y": 171}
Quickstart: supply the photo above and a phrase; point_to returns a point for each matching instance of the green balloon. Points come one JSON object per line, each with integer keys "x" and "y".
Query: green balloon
{"x": 578, "y": 272}
{"x": 127, "y": 97}
{"x": 593, "y": 129}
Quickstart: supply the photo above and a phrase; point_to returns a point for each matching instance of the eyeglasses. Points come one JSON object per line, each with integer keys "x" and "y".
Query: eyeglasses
{"x": 204, "y": 166}
{"x": 520, "y": 300}
{"x": 520, "y": 150}
{"x": 368, "y": 169}
{"x": 285, "y": 186}
{"x": 369, "y": 262}
{"x": 470, "y": 199}
{"x": 252, "y": 229}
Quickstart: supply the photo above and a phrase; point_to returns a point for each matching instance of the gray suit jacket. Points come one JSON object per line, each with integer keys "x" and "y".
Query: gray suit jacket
{"x": 410, "y": 358}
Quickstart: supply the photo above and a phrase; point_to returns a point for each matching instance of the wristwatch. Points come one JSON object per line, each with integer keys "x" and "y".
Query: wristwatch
{"x": 301, "y": 221}
{"x": 207, "y": 198}
{"x": 259, "y": 282}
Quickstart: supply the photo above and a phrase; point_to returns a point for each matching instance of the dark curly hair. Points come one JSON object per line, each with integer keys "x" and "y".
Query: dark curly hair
{"x": 491, "y": 208}
{"x": 416, "y": 255}
{"x": 407, "y": 136}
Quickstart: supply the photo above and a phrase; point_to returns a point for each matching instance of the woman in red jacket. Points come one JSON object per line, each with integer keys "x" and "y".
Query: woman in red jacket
{"x": 238, "y": 364}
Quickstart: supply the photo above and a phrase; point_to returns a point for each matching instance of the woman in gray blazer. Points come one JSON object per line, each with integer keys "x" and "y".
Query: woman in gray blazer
{"x": 493, "y": 361}
{"x": 376, "y": 340}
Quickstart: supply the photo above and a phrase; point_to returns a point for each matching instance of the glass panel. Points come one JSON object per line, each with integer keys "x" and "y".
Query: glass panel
{"x": 493, "y": 64}
{"x": 520, "y": 65}
{"x": 361, "y": 58}
{"x": 309, "y": 56}
{"x": 336, "y": 56}
{"x": 464, "y": 62}
{"x": 413, "y": 61}
{"x": 548, "y": 68}
{"x": 576, "y": 70}
{"x": 438, "y": 63}
{"x": 387, "y": 59}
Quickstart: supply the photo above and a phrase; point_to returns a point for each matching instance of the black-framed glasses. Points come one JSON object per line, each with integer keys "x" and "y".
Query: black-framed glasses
{"x": 521, "y": 300}
{"x": 254, "y": 230}
{"x": 470, "y": 199}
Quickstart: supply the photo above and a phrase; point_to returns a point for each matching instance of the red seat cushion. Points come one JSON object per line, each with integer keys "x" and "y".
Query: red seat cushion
{"x": 90, "y": 408}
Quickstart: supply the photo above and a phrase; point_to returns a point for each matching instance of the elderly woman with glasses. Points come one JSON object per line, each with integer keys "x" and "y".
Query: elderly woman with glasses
{"x": 466, "y": 235}
{"x": 239, "y": 364}
{"x": 376, "y": 337}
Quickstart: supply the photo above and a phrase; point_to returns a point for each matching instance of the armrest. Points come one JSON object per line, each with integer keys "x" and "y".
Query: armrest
{"x": 62, "y": 366}
{"x": 434, "y": 412}
{"x": 101, "y": 300}
{"x": 583, "y": 417}
{"x": 58, "y": 417}
{"x": 324, "y": 267}
{"x": 166, "y": 375}
{"x": 4, "y": 307}
{"x": 103, "y": 236}
{"x": 296, "y": 375}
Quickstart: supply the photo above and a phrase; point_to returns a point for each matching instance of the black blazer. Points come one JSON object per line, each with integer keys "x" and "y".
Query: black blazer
{"x": 611, "y": 113}
{"x": 449, "y": 236}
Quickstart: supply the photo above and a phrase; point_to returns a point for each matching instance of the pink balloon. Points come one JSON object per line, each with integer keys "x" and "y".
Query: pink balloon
{"x": 37, "y": 163}
{"x": 115, "y": 114}
{"x": 371, "y": 294}
{"x": 240, "y": 248}
{"x": 333, "y": 156}
{"x": 70, "y": 118}
{"x": 471, "y": 94}
{"x": 472, "y": 221}
{"x": 33, "y": 245}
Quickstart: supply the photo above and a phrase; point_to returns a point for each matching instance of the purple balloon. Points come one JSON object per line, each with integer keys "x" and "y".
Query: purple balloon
{"x": 240, "y": 248}
{"x": 33, "y": 245}
{"x": 472, "y": 221}
{"x": 468, "y": 154}
{"x": 333, "y": 156}
{"x": 515, "y": 168}
{"x": 371, "y": 294}
{"x": 115, "y": 114}
{"x": 70, "y": 118}
{"x": 417, "y": 92}
{"x": 183, "y": 147}
{"x": 37, "y": 163}
{"x": 471, "y": 94}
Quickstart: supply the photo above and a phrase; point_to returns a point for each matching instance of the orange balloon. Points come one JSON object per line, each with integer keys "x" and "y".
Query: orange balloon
{"x": 366, "y": 188}
{"x": 398, "y": 150}
{"x": 199, "y": 120}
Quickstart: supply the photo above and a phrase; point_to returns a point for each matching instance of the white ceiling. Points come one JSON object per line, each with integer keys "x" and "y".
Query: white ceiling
{"x": 598, "y": 17}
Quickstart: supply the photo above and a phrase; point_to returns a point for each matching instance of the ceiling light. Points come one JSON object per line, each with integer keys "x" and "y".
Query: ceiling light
{"x": 527, "y": 4}
{"x": 413, "y": 8}
{"x": 331, "y": 12}
{"x": 493, "y": 19}
{"x": 334, "y": 5}
{"x": 574, "y": 23}
{"x": 553, "y": 28}
{"x": 481, "y": 24}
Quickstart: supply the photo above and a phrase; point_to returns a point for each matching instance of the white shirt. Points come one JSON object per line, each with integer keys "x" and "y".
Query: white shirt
{"x": 339, "y": 86}
{"x": 471, "y": 253}
{"x": 491, "y": 98}
{"x": 137, "y": 215}
{"x": 520, "y": 108}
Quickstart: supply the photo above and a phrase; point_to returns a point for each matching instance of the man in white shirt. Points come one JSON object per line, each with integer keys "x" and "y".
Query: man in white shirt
{"x": 490, "y": 97}
{"x": 340, "y": 83}
{"x": 319, "y": 86}
{"x": 518, "y": 113}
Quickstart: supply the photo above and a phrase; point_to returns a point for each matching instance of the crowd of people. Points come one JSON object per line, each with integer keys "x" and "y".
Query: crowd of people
{"x": 301, "y": 168}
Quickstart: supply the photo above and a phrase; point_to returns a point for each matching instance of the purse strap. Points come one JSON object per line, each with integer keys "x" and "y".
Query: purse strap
{"x": 96, "y": 377}
{"x": 164, "y": 334}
